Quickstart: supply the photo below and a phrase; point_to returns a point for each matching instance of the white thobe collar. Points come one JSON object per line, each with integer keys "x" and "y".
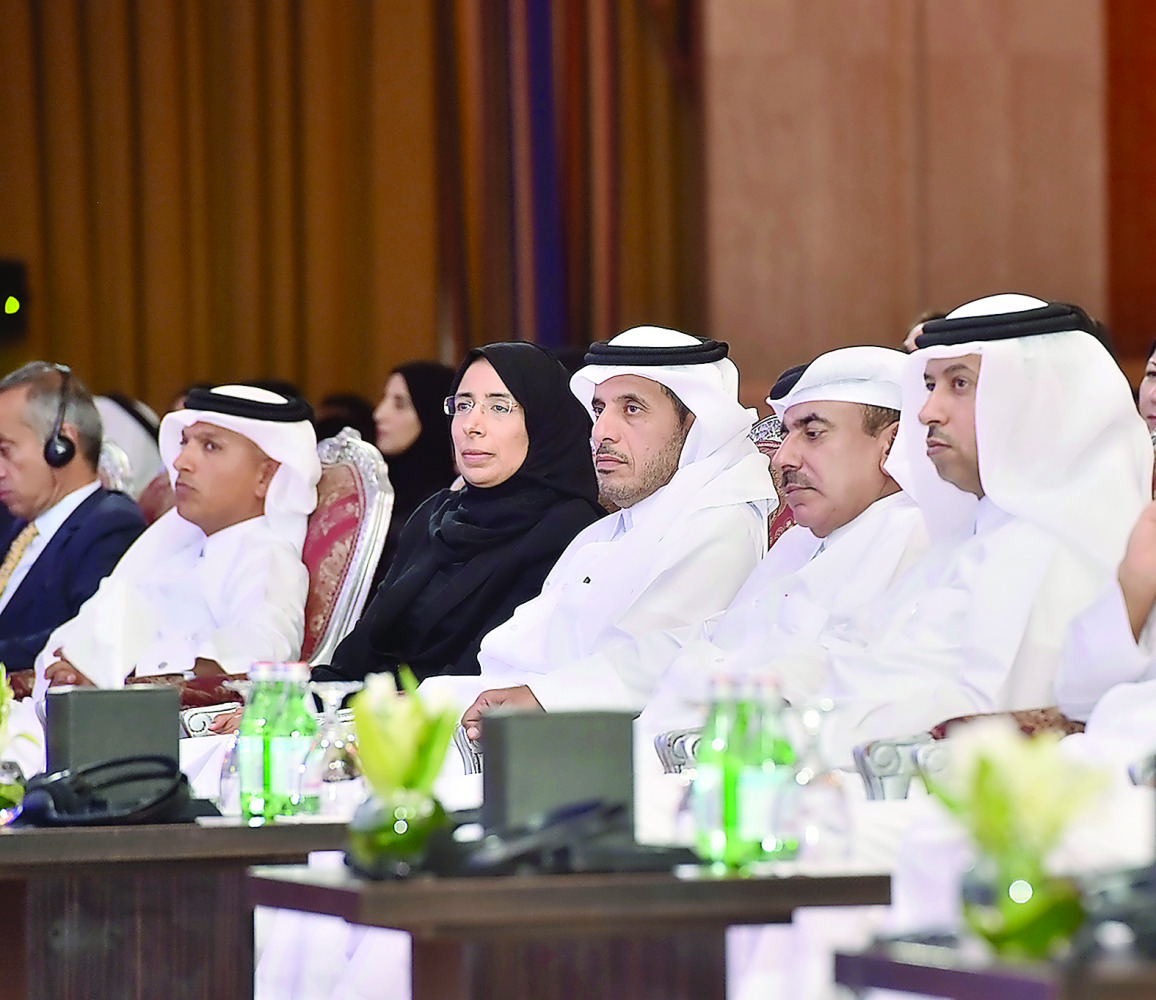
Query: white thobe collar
{"x": 843, "y": 530}
{"x": 988, "y": 516}
{"x": 225, "y": 541}
{"x": 629, "y": 516}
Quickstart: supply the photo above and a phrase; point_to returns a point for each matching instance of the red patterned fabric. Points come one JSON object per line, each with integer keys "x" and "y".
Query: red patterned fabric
{"x": 196, "y": 692}
{"x": 781, "y": 519}
{"x": 156, "y": 498}
{"x": 329, "y": 545}
{"x": 1030, "y": 721}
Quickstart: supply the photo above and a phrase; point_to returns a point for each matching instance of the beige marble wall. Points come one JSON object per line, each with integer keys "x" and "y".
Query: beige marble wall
{"x": 869, "y": 159}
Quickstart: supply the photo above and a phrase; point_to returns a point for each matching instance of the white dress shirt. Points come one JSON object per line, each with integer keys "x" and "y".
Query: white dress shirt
{"x": 237, "y": 597}
{"x": 1100, "y": 653}
{"x": 47, "y": 524}
{"x": 785, "y": 606}
{"x": 974, "y": 627}
{"x": 635, "y": 572}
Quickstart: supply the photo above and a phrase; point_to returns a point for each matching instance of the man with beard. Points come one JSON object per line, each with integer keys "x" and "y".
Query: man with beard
{"x": 1005, "y": 479}
{"x": 855, "y": 533}
{"x": 672, "y": 452}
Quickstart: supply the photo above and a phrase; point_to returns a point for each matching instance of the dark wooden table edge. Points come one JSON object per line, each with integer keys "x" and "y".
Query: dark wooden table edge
{"x": 533, "y": 906}
{"x": 931, "y": 975}
{"x": 944, "y": 971}
{"x": 28, "y": 852}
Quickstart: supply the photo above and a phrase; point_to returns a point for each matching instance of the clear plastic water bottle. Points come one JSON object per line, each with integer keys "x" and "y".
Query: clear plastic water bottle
{"x": 813, "y": 814}
{"x": 290, "y": 736}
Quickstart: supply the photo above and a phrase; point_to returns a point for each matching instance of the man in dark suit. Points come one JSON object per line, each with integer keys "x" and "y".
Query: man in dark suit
{"x": 65, "y": 533}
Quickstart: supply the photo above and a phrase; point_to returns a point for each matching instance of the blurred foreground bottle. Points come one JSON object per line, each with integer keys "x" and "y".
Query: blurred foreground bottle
{"x": 744, "y": 759}
{"x": 253, "y": 760}
{"x": 290, "y": 735}
{"x": 767, "y": 764}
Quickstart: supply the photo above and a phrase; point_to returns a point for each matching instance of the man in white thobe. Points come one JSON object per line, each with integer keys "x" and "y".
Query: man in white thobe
{"x": 671, "y": 450}
{"x": 854, "y": 533}
{"x": 1028, "y": 501}
{"x": 1113, "y": 642}
{"x": 218, "y": 581}
{"x": 1107, "y": 675}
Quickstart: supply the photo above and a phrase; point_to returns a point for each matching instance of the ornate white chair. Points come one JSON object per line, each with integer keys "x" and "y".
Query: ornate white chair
{"x": 114, "y": 470}
{"x": 156, "y": 498}
{"x": 344, "y": 541}
{"x": 888, "y": 765}
{"x": 677, "y": 748}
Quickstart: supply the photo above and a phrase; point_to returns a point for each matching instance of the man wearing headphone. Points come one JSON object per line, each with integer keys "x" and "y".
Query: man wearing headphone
{"x": 66, "y": 532}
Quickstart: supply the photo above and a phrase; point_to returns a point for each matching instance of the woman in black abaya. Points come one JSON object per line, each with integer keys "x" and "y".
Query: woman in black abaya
{"x": 466, "y": 559}
{"x": 413, "y": 435}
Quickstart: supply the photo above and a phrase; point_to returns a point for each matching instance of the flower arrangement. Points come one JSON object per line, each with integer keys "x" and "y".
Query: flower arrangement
{"x": 11, "y": 790}
{"x": 402, "y": 743}
{"x": 6, "y": 700}
{"x": 1015, "y": 796}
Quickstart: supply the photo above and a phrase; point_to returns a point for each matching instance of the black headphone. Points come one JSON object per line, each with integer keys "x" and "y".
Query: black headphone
{"x": 76, "y": 798}
{"x": 58, "y": 449}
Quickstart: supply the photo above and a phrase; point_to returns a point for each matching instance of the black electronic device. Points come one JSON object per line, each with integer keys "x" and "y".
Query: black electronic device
{"x": 579, "y": 837}
{"x": 85, "y": 725}
{"x": 13, "y": 299}
{"x": 539, "y": 762}
{"x": 58, "y": 449}
{"x": 146, "y": 789}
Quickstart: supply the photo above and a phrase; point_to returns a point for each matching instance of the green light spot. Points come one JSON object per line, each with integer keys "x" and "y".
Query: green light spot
{"x": 11, "y": 305}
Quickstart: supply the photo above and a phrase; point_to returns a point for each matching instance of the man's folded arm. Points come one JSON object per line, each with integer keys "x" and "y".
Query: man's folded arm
{"x": 268, "y": 622}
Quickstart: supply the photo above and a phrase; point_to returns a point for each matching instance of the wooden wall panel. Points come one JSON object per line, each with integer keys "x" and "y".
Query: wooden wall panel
{"x": 1016, "y": 151}
{"x": 67, "y": 293}
{"x": 870, "y": 159}
{"x": 810, "y": 205}
{"x": 112, "y": 186}
{"x": 160, "y": 224}
{"x": 1131, "y": 116}
{"x": 21, "y": 183}
{"x": 402, "y": 190}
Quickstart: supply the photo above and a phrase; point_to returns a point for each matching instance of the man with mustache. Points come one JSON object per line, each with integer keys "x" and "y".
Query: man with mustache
{"x": 1005, "y": 480}
{"x": 672, "y": 453}
{"x": 855, "y": 532}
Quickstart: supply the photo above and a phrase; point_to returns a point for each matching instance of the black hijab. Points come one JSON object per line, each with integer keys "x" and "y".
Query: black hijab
{"x": 467, "y": 558}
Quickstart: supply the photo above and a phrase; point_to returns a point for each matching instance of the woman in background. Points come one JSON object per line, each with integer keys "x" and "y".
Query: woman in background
{"x": 414, "y": 437}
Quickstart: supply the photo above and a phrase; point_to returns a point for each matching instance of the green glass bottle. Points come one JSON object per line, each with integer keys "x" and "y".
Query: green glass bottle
{"x": 253, "y": 744}
{"x": 708, "y": 793}
{"x": 718, "y": 766}
{"x": 767, "y": 764}
{"x": 290, "y": 737}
